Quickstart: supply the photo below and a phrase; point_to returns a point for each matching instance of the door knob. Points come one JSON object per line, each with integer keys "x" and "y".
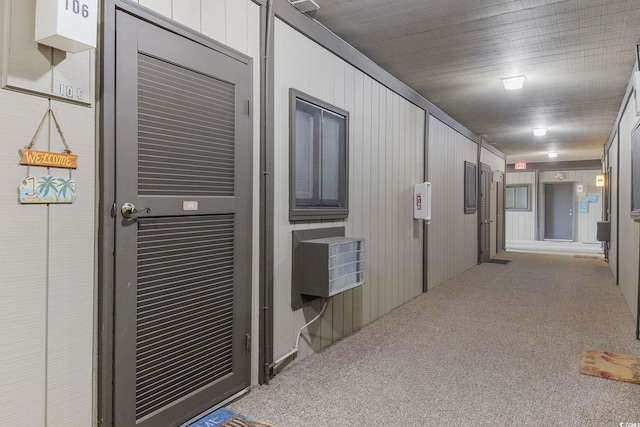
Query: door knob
{"x": 129, "y": 210}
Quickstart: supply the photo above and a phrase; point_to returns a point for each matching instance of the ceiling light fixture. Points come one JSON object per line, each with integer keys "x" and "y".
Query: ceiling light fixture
{"x": 305, "y": 6}
{"x": 540, "y": 131}
{"x": 552, "y": 154}
{"x": 513, "y": 83}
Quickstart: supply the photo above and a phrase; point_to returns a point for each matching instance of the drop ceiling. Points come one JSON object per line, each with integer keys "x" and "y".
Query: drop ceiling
{"x": 577, "y": 57}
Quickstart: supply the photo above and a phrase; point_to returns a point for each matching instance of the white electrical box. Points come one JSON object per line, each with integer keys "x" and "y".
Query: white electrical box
{"x": 422, "y": 201}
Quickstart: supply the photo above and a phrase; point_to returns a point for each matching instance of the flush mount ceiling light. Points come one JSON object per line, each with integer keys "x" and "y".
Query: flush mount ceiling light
{"x": 513, "y": 83}
{"x": 305, "y": 6}
{"x": 552, "y": 154}
{"x": 540, "y": 131}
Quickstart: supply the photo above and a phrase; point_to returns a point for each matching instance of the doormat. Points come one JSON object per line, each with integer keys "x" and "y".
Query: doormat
{"x": 226, "y": 418}
{"x": 613, "y": 366}
{"x": 499, "y": 261}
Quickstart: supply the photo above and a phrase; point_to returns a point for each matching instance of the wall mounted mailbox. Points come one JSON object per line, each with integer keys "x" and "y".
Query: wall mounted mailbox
{"x": 69, "y": 25}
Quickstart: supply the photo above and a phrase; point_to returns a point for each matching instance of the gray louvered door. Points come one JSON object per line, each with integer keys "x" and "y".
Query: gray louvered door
{"x": 182, "y": 291}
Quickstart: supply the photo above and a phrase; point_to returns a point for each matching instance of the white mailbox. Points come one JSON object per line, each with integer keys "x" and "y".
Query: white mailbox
{"x": 69, "y": 25}
{"x": 422, "y": 201}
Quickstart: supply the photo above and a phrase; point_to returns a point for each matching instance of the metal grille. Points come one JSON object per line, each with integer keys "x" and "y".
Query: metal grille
{"x": 186, "y": 131}
{"x": 184, "y": 307}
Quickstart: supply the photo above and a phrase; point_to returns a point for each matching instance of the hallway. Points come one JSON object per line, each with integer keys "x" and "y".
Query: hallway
{"x": 499, "y": 345}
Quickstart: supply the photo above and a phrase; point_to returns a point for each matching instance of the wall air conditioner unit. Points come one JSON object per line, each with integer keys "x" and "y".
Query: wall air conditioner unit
{"x": 331, "y": 265}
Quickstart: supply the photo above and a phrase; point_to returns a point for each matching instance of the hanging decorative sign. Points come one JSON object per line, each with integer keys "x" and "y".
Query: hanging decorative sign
{"x": 584, "y": 206}
{"x": 49, "y": 159}
{"x": 47, "y": 189}
{"x": 45, "y": 158}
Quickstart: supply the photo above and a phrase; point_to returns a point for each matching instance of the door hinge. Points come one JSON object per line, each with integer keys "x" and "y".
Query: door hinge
{"x": 247, "y": 106}
{"x": 248, "y": 337}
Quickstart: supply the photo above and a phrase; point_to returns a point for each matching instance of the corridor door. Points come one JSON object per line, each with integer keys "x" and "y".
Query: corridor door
{"x": 182, "y": 237}
{"x": 485, "y": 213}
{"x": 558, "y": 211}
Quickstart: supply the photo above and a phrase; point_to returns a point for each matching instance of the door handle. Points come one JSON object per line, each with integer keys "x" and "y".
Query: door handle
{"x": 129, "y": 210}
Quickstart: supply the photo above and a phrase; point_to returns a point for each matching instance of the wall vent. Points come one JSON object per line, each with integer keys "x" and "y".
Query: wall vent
{"x": 331, "y": 265}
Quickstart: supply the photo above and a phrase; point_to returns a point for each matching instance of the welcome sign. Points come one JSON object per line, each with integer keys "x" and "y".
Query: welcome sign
{"x": 49, "y": 159}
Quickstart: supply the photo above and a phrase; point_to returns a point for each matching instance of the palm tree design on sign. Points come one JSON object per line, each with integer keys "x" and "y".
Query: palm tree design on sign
{"x": 48, "y": 184}
{"x": 65, "y": 185}
{"x": 47, "y": 189}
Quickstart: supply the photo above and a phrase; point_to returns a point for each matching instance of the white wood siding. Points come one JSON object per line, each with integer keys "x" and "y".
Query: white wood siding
{"x": 47, "y": 275}
{"x": 235, "y": 23}
{"x": 629, "y": 230}
{"x": 386, "y": 139}
{"x": 613, "y": 218}
{"x": 521, "y": 225}
{"x": 585, "y": 224}
{"x": 452, "y": 234}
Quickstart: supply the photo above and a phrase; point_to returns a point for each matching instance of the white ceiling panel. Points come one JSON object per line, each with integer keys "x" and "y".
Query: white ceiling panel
{"x": 577, "y": 57}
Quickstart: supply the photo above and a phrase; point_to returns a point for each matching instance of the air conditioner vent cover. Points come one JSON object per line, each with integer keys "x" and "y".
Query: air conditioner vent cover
{"x": 331, "y": 265}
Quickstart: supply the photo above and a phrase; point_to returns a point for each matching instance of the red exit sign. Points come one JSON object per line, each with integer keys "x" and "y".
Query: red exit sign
{"x": 520, "y": 165}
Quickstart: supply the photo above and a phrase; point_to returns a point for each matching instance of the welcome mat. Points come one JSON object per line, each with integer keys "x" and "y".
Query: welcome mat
{"x": 499, "y": 261}
{"x": 621, "y": 367}
{"x": 226, "y": 418}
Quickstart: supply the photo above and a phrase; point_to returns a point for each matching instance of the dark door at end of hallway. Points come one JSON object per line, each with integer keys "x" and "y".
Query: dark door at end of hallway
{"x": 558, "y": 211}
{"x": 485, "y": 213}
{"x": 183, "y": 221}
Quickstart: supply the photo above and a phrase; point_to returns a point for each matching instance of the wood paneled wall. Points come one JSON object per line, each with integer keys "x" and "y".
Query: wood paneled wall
{"x": 521, "y": 225}
{"x": 452, "y": 234}
{"x": 628, "y": 230}
{"x": 386, "y": 140}
{"x": 585, "y": 223}
{"x": 613, "y": 210}
{"x": 47, "y": 273}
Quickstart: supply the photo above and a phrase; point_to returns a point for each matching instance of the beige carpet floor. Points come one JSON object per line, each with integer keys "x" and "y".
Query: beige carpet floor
{"x": 499, "y": 345}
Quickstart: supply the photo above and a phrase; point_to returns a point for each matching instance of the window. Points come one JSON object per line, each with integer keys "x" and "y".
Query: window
{"x": 517, "y": 197}
{"x": 318, "y": 152}
{"x": 470, "y": 188}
